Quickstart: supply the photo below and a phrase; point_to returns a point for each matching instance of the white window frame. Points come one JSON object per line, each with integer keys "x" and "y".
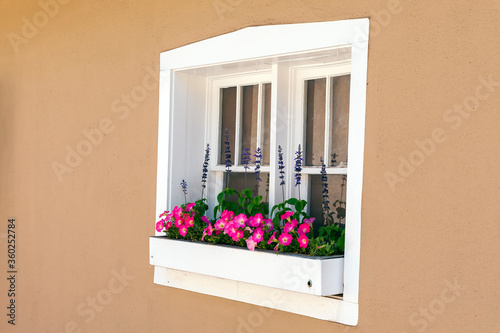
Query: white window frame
{"x": 185, "y": 71}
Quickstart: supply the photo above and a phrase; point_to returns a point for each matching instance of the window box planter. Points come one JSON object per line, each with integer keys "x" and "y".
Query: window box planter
{"x": 319, "y": 276}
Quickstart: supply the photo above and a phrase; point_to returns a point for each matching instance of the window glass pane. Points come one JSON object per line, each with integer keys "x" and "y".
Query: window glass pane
{"x": 249, "y": 114}
{"x": 228, "y": 120}
{"x": 339, "y": 120}
{"x": 266, "y": 122}
{"x": 315, "y": 121}
{"x": 238, "y": 182}
{"x": 336, "y": 187}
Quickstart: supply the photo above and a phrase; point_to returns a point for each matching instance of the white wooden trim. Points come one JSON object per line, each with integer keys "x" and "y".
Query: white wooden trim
{"x": 265, "y": 41}
{"x": 356, "y": 141}
{"x": 324, "y": 308}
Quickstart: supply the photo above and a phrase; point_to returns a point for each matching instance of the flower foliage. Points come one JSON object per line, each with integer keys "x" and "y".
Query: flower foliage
{"x": 245, "y": 223}
{"x": 243, "y": 219}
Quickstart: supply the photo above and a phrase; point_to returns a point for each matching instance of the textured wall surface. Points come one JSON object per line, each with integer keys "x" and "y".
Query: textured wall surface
{"x": 430, "y": 224}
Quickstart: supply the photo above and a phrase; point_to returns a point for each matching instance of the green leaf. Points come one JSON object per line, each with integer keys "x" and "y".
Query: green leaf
{"x": 248, "y": 193}
{"x": 249, "y": 208}
{"x": 340, "y": 212}
{"x": 292, "y": 201}
{"x": 340, "y": 244}
{"x": 220, "y": 197}
{"x": 299, "y": 206}
{"x": 276, "y": 222}
{"x": 276, "y": 207}
{"x": 232, "y": 206}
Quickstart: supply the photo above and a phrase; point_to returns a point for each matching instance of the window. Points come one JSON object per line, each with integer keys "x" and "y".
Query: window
{"x": 275, "y": 85}
{"x": 317, "y": 120}
{"x": 242, "y": 105}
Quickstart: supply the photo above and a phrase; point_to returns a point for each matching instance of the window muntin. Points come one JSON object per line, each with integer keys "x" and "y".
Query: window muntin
{"x": 266, "y": 118}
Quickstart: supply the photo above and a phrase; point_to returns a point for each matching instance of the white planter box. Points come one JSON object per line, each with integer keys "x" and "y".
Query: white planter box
{"x": 320, "y": 276}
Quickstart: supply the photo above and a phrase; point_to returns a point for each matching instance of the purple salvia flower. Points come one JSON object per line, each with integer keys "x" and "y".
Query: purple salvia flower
{"x": 227, "y": 151}
{"x": 205, "y": 167}
{"x": 298, "y": 166}
{"x": 258, "y": 162}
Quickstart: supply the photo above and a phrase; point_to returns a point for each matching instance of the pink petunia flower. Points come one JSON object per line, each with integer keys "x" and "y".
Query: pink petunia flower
{"x": 183, "y": 230}
{"x": 208, "y": 231}
{"x": 269, "y": 223}
{"x": 227, "y": 215}
{"x": 189, "y": 206}
{"x": 230, "y": 229}
{"x": 258, "y": 235}
{"x": 168, "y": 225}
{"x": 304, "y": 228}
{"x": 255, "y": 221}
{"x": 288, "y": 227}
{"x": 272, "y": 239}
{"x": 177, "y": 212}
{"x": 238, "y": 235}
{"x": 294, "y": 222}
{"x": 163, "y": 214}
{"x": 205, "y": 219}
{"x": 258, "y": 219}
{"x": 285, "y": 239}
{"x": 169, "y": 216}
{"x": 220, "y": 224}
{"x": 240, "y": 220}
{"x": 309, "y": 221}
{"x": 249, "y": 221}
{"x": 251, "y": 244}
{"x": 303, "y": 241}
{"x": 286, "y": 215}
{"x": 179, "y": 222}
{"x": 189, "y": 221}
{"x": 160, "y": 225}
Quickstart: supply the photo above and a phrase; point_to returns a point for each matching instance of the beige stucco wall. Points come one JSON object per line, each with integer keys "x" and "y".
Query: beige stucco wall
{"x": 77, "y": 232}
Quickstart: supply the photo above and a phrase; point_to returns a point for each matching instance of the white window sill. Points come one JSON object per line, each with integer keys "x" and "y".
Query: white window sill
{"x": 319, "y": 307}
